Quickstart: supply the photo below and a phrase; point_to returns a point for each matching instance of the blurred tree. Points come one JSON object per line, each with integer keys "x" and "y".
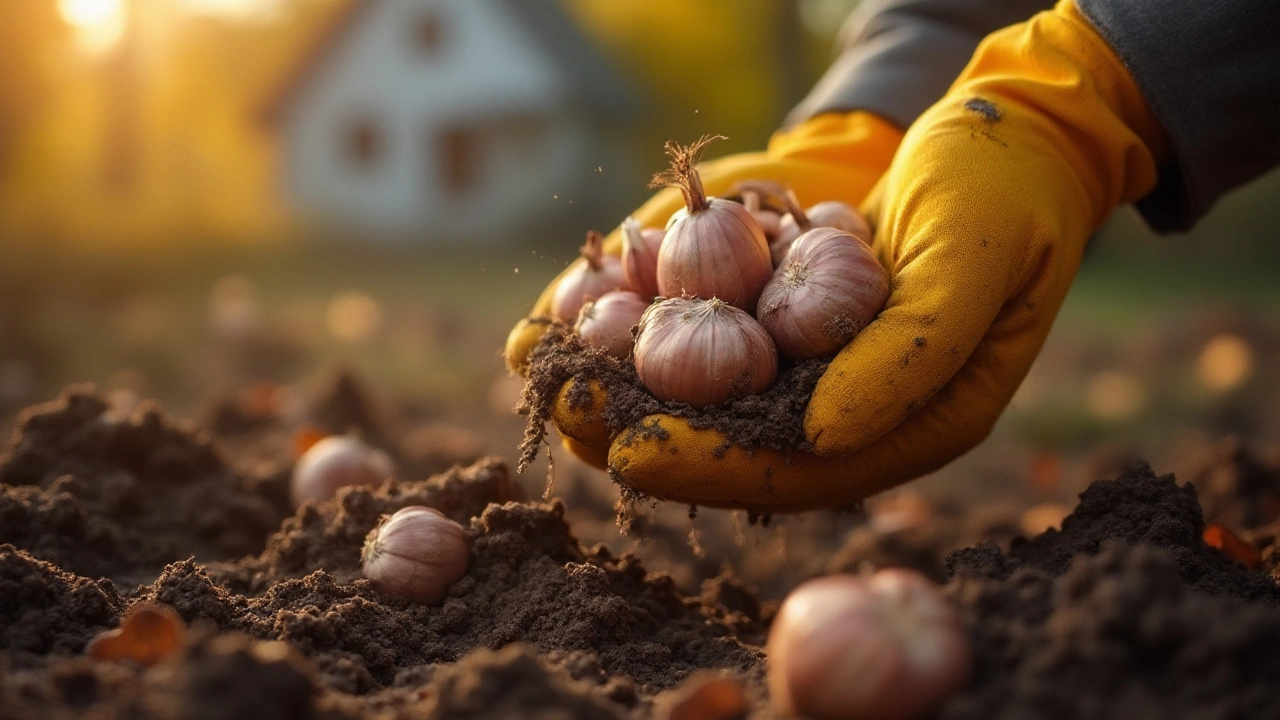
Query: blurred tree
{"x": 30, "y": 35}
{"x": 153, "y": 139}
{"x": 705, "y": 66}
{"x": 733, "y": 67}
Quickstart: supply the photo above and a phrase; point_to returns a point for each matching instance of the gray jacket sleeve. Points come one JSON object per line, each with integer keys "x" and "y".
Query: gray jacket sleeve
{"x": 1210, "y": 71}
{"x": 898, "y": 57}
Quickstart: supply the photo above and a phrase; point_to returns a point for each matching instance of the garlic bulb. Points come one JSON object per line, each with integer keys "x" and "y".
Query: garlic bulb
{"x": 713, "y": 247}
{"x": 887, "y": 646}
{"x": 417, "y": 553}
{"x": 334, "y": 462}
{"x": 830, "y": 213}
{"x": 827, "y": 289}
{"x": 606, "y": 323}
{"x": 769, "y": 219}
{"x": 640, "y": 257}
{"x": 702, "y": 352}
{"x": 594, "y": 276}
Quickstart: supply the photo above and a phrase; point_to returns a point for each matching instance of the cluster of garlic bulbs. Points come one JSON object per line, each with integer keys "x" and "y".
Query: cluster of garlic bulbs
{"x": 706, "y": 305}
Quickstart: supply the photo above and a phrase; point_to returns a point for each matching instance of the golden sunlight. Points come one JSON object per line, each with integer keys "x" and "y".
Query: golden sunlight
{"x": 99, "y": 23}
{"x": 244, "y": 9}
{"x": 87, "y": 13}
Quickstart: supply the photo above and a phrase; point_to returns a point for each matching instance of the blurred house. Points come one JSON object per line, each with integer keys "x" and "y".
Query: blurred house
{"x": 415, "y": 119}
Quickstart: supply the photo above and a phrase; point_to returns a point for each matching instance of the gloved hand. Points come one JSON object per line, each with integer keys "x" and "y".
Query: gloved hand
{"x": 829, "y": 157}
{"x": 981, "y": 222}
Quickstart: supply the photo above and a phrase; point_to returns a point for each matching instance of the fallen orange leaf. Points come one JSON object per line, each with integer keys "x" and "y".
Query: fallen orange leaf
{"x": 1047, "y": 472}
{"x": 1232, "y": 546}
{"x": 305, "y": 437}
{"x": 260, "y": 400}
{"x": 148, "y": 634}
{"x": 717, "y": 699}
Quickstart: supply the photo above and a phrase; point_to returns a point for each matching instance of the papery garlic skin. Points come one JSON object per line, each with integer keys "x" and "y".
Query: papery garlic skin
{"x": 594, "y": 275}
{"x": 606, "y": 322}
{"x": 640, "y": 247}
{"x": 334, "y": 462}
{"x": 769, "y": 219}
{"x": 835, "y": 214}
{"x": 888, "y": 646}
{"x": 713, "y": 247}
{"x": 718, "y": 252}
{"x": 827, "y": 289}
{"x": 829, "y": 213}
{"x": 702, "y": 352}
{"x": 416, "y": 553}
{"x": 770, "y": 224}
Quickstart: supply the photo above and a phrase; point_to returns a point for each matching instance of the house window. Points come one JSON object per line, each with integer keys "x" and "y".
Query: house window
{"x": 362, "y": 141}
{"x": 459, "y": 150}
{"x": 427, "y": 33}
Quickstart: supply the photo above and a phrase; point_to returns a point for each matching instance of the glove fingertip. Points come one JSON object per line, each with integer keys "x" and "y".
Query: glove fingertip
{"x": 520, "y": 342}
{"x": 595, "y": 457}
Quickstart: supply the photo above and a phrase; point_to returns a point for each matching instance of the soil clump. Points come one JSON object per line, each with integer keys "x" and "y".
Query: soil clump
{"x": 773, "y": 419}
{"x": 1124, "y": 612}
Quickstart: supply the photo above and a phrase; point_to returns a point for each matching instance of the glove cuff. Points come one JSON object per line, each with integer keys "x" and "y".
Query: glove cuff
{"x": 1057, "y": 73}
{"x": 854, "y": 139}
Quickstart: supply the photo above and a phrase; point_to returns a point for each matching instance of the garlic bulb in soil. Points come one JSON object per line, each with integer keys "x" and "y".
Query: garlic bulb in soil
{"x": 606, "y": 322}
{"x": 417, "y": 553}
{"x": 640, "y": 257}
{"x": 827, "y": 289}
{"x": 596, "y": 275}
{"x": 888, "y": 646}
{"x": 702, "y": 352}
{"x": 830, "y": 213}
{"x": 713, "y": 247}
{"x": 335, "y": 462}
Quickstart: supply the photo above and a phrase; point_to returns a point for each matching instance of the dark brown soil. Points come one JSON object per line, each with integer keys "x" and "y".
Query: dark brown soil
{"x": 103, "y": 495}
{"x": 1123, "y": 613}
{"x": 773, "y": 419}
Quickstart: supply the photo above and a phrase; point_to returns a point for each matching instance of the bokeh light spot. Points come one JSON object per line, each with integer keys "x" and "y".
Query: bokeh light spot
{"x": 1114, "y": 395}
{"x": 233, "y": 306}
{"x": 354, "y": 317}
{"x": 1225, "y": 363}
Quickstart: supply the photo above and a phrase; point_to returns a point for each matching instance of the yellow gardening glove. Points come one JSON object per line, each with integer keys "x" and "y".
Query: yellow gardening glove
{"x": 829, "y": 157}
{"x": 981, "y": 222}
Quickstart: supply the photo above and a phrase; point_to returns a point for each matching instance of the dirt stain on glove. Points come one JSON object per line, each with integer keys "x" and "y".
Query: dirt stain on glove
{"x": 985, "y": 108}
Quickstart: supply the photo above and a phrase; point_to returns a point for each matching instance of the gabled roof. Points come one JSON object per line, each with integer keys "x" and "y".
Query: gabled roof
{"x": 595, "y": 85}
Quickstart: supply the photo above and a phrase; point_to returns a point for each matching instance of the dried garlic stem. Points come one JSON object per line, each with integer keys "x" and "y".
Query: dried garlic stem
{"x": 683, "y": 172}
{"x": 593, "y": 250}
{"x": 797, "y": 212}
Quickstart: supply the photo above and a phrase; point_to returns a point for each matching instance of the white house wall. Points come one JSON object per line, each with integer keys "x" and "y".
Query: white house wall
{"x": 486, "y": 68}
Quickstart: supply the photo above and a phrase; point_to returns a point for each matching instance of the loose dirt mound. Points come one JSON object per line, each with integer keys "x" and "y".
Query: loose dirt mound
{"x": 1125, "y": 612}
{"x": 103, "y": 495}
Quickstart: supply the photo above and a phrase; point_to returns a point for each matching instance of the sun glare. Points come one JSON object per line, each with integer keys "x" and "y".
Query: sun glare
{"x": 98, "y": 23}
{"x": 87, "y": 13}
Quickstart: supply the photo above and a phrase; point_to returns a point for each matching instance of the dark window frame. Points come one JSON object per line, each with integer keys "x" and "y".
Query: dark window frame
{"x": 363, "y": 142}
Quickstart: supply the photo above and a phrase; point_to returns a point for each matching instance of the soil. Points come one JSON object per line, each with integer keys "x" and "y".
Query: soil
{"x": 1125, "y": 612}
{"x": 773, "y": 419}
